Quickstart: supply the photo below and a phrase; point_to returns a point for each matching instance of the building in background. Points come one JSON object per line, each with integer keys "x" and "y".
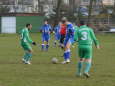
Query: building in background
{"x": 108, "y": 2}
{"x": 41, "y": 6}
{"x": 20, "y": 6}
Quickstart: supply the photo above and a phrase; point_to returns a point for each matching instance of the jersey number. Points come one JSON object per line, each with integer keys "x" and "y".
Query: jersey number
{"x": 84, "y": 36}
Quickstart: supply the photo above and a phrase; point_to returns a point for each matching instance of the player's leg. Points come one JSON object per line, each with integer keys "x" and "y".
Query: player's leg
{"x": 62, "y": 41}
{"x": 47, "y": 38}
{"x": 81, "y": 60}
{"x": 80, "y": 66}
{"x": 29, "y": 56}
{"x": 43, "y": 43}
{"x": 87, "y": 63}
{"x": 88, "y": 60}
{"x": 28, "y": 53}
{"x": 55, "y": 42}
{"x": 67, "y": 52}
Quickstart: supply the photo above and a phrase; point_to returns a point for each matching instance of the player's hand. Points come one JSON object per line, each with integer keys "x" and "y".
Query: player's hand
{"x": 98, "y": 47}
{"x": 34, "y": 43}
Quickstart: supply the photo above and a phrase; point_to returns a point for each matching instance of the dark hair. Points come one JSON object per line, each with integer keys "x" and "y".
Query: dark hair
{"x": 82, "y": 22}
{"x": 28, "y": 25}
{"x": 45, "y": 20}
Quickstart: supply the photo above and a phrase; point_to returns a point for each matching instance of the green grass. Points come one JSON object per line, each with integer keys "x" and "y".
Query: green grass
{"x": 43, "y": 73}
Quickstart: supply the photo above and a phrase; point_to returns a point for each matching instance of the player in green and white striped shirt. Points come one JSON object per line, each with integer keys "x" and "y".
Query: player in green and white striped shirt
{"x": 25, "y": 42}
{"x": 85, "y": 38}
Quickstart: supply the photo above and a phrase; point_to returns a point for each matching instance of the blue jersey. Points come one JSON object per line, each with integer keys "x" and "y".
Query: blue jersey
{"x": 69, "y": 38}
{"x": 46, "y": 28}
{"x": 57, "y": 32}
{"x": 70, "y": 31}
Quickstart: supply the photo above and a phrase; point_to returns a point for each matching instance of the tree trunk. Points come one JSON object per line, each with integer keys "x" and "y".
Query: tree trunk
{"x": 114, "y": 8}
{"x": 90, "y": 10}
{"x": 58, "y": 10}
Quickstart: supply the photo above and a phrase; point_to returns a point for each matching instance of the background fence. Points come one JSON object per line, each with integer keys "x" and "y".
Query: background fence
{"x": 12, "y": 24}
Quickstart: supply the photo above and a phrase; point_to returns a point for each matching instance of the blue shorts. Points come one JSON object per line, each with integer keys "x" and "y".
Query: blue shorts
{"x": 68, "y": 40}
{"x": 45, "y": 37}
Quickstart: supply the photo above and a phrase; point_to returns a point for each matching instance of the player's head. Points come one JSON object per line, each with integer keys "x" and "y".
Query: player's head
{"x": 82, "y": 23}
{"x": 64, "y": 20}
{"x": 45, "y": 21}
{"x": 59, "y": 23}
{"x": 29, "y": 26}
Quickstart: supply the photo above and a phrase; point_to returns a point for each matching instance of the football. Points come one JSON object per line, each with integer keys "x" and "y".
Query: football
{"x": 54, "y": 60}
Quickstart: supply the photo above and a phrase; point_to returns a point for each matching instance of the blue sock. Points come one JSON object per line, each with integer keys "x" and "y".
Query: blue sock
{"x": 47, "y": 46}
{"x": 87, "y": 67}
{"x": 42, "y": 46}
{"x": 67, "y": 55}
{"x": 79, "y": 67}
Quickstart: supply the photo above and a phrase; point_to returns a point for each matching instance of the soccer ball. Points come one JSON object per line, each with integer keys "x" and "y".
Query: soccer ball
{"x": 54, "y": 60}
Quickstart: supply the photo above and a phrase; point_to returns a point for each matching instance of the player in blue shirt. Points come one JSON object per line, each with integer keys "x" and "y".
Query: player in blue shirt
{"x": 57, "y": 33}
{"x": 45, "y": 29}
{"x": 69, "y": 39}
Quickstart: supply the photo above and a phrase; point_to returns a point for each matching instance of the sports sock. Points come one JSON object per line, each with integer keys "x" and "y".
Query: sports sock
{"x": 42, "y": 47}
{"x": 47, "y": 46}
{"x": 25, "y": 56}
{"x": 28, "y": 57}
{"x": 87, "y": 67}
{"x": 67, "y": 55}
{"x": 80, "y": 64}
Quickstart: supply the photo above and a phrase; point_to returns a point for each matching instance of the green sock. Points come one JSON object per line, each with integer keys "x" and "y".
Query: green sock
{"x": 25, "y": 56}
{"x": 79, "y": 67}
{"x": 28, "y": 56}
{"x": 87, "y": 67}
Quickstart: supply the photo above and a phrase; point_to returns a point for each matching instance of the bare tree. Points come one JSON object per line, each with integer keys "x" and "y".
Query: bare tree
{"x": 90, "y": 10}
{"x": 59, "y": 2}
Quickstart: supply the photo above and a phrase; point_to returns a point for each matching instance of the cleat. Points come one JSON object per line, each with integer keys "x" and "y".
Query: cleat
{"x": 27, "y": 62}
{"x": 86, "y": 75}
{"x": 78, "y": 75}
{"x": 23, "y": 60}
{"x": 64, "y": 62}
{"x": 68, "y": 61}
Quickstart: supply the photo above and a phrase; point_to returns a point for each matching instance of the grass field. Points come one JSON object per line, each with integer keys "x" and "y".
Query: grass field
{"x": 43, "y": 73}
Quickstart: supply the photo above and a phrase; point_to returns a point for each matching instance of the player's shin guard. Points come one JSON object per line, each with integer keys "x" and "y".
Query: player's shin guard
{"x": 43, "y": 46}
{"x": 67, "y": 55}
{"x": 55, "y": 43}
{"x": 25, "y": 56}
{"x": 79, "y": 68}
{"x": 29, "y": 57}
{"x": 47, "y": 46}
{"x": 87, "y": 67}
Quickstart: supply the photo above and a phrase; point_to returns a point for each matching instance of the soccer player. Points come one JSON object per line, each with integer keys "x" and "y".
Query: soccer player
{"x": 25, "y": 43}
{"x": 62, "y": 32}
{"x": 45, "y": 29}
{"x": 57, "y": 33}
{"x": 69, "y": 38}
{"x": 85, "y": 37}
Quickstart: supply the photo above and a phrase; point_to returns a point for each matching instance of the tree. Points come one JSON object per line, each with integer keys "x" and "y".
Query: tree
{"x": 59, "y": 2}
{"x": 90, "y": 10}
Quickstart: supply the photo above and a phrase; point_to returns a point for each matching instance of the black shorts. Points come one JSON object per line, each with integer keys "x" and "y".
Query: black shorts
{"x": 62, "y": 39}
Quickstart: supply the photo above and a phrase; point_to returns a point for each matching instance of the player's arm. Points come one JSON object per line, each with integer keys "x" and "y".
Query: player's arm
{"x": 50, "y": 29}
{"x": 29, "y": 39}
{"x": 76, "y": 35}
{"x": 41, "y": 29}
{"x": 96, "y": 42}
